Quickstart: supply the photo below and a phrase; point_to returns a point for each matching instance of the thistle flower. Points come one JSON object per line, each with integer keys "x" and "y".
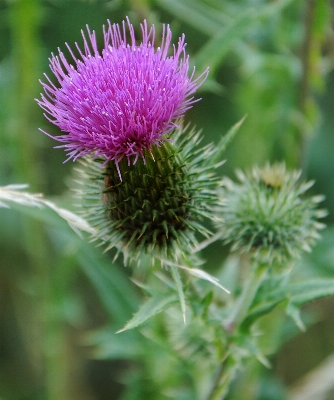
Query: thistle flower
{"x": 122, "y": 101}
{"x": 157, "y": 208}
{"x": 266, "y": 214}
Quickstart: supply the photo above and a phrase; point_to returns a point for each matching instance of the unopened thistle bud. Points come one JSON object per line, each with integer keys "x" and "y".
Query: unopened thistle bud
{"x": 267, "y": 215}
{"x": 158, "y": 206}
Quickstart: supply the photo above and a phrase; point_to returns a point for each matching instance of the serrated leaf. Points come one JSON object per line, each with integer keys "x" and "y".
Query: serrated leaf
{"x": 296, "y": 295}
{"x": 261, "y": 309}
{"x": 294, "y": 313}
{"x": 205, "y": 276}
{"x": 247, "y": 343}
{"x": 254, "y": 349}
{"x": 272, "y": 291}
{"x": 310, "y": 290}
{"x": 199, "y": 274}
{"x": 148, "y": 309}
{"x": 179, "y": 287}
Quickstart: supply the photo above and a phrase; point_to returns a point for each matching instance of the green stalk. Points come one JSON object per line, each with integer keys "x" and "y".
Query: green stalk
{"x": 226, "y": 374}
{"x": 228, "y": 369}
{"x": 246, "y": 298}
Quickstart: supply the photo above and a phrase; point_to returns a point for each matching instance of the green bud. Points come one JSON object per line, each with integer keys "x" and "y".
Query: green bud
{"x": 157, "y": 207}
{"x": 267, "y": 215}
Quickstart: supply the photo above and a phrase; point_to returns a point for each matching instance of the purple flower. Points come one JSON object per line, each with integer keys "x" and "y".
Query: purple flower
{"x": 123, "y": 100}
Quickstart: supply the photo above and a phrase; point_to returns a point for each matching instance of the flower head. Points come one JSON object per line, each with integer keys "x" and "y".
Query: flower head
{"x": 123, "y": 100}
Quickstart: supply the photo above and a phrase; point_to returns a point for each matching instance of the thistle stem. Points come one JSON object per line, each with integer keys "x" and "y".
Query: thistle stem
{"x": 243, "y": 303}
{"x": 226, "y": 374}
{"x": 229, "y": 367}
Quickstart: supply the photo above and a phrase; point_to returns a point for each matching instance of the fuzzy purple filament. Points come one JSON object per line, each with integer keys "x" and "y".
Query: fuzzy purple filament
{"x": 123, "y": 100}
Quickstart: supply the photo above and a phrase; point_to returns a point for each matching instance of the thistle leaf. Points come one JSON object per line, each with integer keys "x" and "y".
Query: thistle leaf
{"x": 296, "y": 295}
{"x": 177, "y": 279}
{"x": 205, "y": 276}
{"x": 148, "y": 309}
{"x": 294, "y": 312}
{"x": 260, "y": 309}
{"x": 310, "y": 290}
{"x": 198, "y": 273}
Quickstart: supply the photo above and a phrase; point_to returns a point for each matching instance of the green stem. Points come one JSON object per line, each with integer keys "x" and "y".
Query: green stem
{"x": 229, "y": 367}
{"x": 226, "y": 374}
{"x": 246, "y": 298}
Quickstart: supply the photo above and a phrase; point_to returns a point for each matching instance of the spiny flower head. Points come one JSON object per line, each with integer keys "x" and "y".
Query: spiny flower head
{"x": 157, "y": 208}
{"x": 267, "y": 215}
{"x": 121, "y": 101}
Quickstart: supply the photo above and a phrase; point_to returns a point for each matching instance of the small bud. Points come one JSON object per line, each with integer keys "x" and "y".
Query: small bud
{"x": 267, "y": 215}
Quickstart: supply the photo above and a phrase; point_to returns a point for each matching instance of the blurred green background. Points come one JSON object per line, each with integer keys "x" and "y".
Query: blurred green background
{"x": 272, "y": 60}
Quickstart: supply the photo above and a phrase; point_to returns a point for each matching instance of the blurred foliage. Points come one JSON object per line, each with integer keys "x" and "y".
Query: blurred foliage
{"x": 61, "y": 300}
